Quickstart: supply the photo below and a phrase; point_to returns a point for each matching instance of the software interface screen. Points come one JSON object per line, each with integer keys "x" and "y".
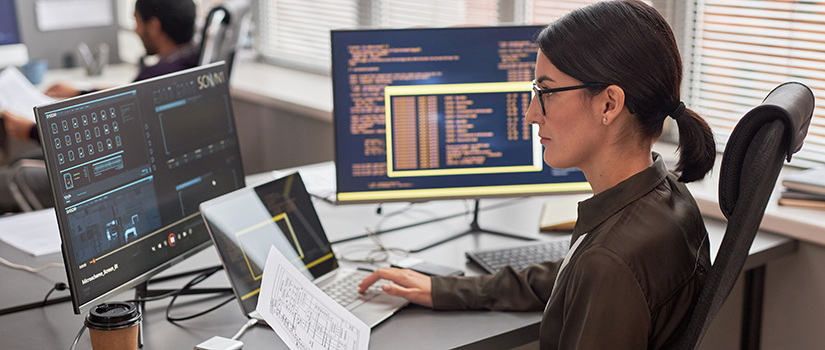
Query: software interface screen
{"x": 129, "y": 168}
{"x": 435, "y": 113}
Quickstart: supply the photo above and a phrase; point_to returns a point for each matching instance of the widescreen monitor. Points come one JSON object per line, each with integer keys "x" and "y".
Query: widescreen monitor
{"x": 129, "y": 167}
{"x": 436, "y": 113}
{"x": 12, "y": 50}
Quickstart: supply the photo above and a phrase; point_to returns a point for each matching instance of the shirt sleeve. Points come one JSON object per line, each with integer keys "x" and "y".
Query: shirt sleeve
{"x": 604, "y": 305}
{"x": 527, "y": 290}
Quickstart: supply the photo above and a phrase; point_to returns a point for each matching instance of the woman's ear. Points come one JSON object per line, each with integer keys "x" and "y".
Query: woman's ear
{"x": 610, "y": 103}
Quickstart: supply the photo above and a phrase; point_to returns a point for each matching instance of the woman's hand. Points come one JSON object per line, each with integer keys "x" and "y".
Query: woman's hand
{"x": 408, "y": 284}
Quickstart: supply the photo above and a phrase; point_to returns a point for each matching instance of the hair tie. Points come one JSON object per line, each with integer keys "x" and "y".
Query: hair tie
{"x": 677, "y": 112}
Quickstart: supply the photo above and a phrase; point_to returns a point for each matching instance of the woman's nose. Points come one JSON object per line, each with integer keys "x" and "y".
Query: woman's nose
{"x": 533, "y": 114}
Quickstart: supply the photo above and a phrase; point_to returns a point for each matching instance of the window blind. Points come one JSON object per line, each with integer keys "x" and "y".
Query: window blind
{"x": 742, "y": 50}
{"x": 547, "y": 11}
{"x": 296, "y": 32}
{"x": 405, "y": 13}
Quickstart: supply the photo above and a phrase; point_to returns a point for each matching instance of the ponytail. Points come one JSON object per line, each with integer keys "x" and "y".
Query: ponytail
{"x": 697, "y": 150}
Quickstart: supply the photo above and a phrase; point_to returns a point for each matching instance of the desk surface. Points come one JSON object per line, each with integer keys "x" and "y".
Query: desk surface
{"x": 57, "y": 325}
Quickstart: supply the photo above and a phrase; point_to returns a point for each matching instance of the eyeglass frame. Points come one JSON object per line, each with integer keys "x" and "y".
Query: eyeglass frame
{"x": 541, "y": 92}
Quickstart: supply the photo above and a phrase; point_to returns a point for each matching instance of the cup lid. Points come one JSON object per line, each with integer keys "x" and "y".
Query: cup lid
{"x": 112, "y": 316}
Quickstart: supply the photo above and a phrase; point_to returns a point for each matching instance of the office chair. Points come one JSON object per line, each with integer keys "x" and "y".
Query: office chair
{"x": 224, "y": 26}
{"x": 28, "y": 184}
{"x": 753, "y": 157}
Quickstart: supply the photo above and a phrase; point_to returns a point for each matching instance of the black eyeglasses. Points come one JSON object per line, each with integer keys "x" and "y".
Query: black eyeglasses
{"x": 541, "y": 92}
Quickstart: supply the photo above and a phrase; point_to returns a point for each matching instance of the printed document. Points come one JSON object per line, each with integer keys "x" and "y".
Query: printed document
{"x": 18, "y": 95}
{"x": 302, "y": 315}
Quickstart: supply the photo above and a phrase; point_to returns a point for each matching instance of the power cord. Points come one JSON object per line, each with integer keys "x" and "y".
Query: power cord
{"x": 57, "y": 286}
{"x": 198, "y": 279}
{"x": 29, "y": 268}
{"x": 375, "y": 253}
{"x": 77, "y": 337}
{"x": 250, "y": 323}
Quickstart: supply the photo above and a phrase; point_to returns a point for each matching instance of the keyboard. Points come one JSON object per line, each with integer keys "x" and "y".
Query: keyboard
{"x": 493, "y": 260}
{"x": 345, "y": 290}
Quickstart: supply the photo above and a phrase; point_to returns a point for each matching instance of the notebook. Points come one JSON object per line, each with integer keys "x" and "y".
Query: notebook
{"x": 243, "y": 225}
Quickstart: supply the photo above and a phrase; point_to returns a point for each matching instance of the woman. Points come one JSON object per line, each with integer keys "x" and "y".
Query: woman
{"x": 607, "y": 76}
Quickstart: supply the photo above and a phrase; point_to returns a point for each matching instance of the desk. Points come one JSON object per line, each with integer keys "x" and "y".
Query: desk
{"x": 55, "y": 326}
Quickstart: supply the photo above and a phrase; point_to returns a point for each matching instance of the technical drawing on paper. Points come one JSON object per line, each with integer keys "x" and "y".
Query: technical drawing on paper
{"x": 310, "y": 323}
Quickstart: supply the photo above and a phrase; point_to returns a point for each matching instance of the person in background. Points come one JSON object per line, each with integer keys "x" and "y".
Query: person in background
{"x": 166, "y": 28}
{"x": 607, "y": 76}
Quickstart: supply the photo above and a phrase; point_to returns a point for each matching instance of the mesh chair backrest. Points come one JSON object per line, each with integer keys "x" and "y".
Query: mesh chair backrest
{"x": 753, "y": 157}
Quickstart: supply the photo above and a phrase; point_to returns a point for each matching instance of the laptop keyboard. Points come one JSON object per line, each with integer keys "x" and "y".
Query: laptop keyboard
{"x": 345, "y": 290}
{"x": 493, "y": 260}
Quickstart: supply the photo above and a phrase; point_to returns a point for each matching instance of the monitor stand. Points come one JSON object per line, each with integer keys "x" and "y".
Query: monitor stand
{"x": 142, "y": 292}
{"x": 475, "y": 228}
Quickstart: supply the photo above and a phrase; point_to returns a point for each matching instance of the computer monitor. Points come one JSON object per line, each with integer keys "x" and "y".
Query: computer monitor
{"x": 12, "y": 50}
{"x": 129, "y": 167}
{"x": 438, "y": 113}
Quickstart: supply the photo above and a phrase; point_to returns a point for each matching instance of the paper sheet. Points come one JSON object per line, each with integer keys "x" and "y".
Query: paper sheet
{"x": 35, "y": 233}
{"x": 302, "y": 315}
{"x": 18, "y": 95}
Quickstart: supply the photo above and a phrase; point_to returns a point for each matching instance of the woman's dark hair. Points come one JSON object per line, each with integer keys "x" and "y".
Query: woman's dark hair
{"x": 177, "y": 17}
{"x": 627, "y": 43}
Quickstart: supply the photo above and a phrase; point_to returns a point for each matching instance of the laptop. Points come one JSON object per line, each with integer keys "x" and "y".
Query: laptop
{"x": 243, "y": 225}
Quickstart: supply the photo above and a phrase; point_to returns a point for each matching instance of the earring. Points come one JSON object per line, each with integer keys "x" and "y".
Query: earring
{"x": 604, "y": 120}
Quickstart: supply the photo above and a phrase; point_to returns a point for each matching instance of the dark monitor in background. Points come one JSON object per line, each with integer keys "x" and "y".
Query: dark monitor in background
{"x": 12, "y": 50}
{"x": 424, "y": 114}
{"x": 129, "y": 167}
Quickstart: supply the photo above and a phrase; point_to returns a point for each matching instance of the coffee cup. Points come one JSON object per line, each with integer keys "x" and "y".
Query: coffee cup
{"x": 114, "y": 326}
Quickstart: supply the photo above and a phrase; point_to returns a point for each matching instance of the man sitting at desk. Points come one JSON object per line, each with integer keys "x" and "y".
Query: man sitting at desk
{"x": 166, "y": 28}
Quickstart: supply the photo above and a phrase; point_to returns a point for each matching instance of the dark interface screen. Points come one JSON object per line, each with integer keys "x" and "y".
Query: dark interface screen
{"x": 129, "y": 167}
{"x": 438, "y": 113}
{"x": 247, "y": 222}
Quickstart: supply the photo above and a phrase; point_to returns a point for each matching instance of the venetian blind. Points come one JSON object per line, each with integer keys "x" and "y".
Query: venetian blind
{"x": 297, "y": 31}
{"x": 546, "y": 11}
{"x": 742, "y": 50}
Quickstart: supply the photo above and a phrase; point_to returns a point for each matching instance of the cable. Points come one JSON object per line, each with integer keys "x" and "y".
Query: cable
{"x": 57, "y": 286}
{"x": 77, "y": 338}
{"x": 373, "y": 255}
{"x": 198, "y": 279}
{"x": 189, "y": 317}
{"x": 250, "y": 323}
{"x": 29, "y": 268}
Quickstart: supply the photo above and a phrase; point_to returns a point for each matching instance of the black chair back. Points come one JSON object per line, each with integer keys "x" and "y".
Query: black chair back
{"x": 761, "y": 141}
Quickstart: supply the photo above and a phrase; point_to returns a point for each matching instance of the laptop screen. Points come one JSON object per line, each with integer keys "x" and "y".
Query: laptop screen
{"x": 246, "y": 222}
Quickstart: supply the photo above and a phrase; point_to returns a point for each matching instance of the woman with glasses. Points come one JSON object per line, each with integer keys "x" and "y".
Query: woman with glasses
{"x": 607, "y": 77}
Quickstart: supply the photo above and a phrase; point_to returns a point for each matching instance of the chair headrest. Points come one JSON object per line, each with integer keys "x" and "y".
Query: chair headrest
{"x": 232, "y": 9}
{"x": 791, "y": 102}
